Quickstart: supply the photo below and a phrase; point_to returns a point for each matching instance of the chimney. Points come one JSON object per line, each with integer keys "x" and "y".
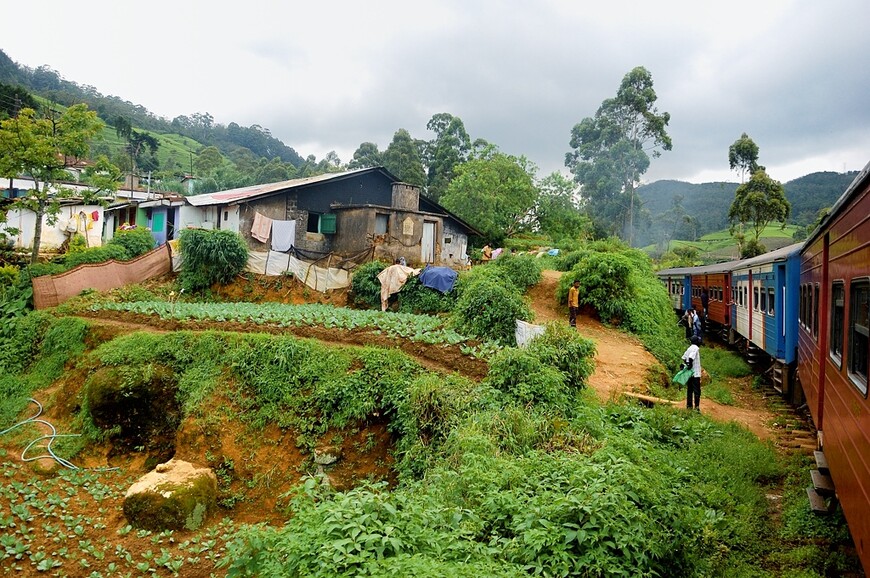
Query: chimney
{"x": 406, "y": 197}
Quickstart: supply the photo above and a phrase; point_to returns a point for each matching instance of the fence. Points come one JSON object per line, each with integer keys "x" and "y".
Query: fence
{"x": 52, "y": 290}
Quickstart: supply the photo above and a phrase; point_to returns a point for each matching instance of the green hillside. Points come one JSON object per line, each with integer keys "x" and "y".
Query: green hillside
{"x": 720, "y": 246}
{"x": 707, "y": 204}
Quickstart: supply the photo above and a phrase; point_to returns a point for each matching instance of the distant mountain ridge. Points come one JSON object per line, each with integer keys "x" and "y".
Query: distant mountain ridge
{"x": 200, "y": 127}
{"x": 709, "y": 203}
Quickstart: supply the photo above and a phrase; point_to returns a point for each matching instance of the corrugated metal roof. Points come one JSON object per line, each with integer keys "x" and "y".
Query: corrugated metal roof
{"x": 246, "y": 193}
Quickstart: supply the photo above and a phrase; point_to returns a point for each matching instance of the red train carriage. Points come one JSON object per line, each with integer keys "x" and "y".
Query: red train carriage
{"x": 834, "y": 347}
{"x": 716, "y": 281}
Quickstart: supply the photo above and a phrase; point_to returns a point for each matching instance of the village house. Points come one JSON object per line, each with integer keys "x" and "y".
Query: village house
{"x": 346, "y": 213}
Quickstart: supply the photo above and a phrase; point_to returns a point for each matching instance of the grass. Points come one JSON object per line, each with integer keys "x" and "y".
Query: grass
{"x": 721, "y": 244}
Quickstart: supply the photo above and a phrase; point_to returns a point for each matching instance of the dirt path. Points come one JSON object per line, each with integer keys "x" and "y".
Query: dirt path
{"x": 621, "y": 363}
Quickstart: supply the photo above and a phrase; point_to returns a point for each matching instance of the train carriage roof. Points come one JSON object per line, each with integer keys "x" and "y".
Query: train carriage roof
{"x": 780, "y": 254}
{"x": 700, "y": 270}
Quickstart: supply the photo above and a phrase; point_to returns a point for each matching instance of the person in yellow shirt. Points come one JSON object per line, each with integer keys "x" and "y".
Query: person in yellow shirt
{"x": 573, "y": 303}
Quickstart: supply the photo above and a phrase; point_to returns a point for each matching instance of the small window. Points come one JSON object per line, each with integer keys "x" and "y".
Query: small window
{"x": 763, "y": 306}
{"x": 859, "y": 333}
{"x": 313, "y": 223}
{"x": 815, "y": 310}
{"x": 771, "y": 300}
{"x": 802, "y": 307}
{"x": 837, "y": 320}
{"x": 382, "y": 224}
{"x": 755, "y": 298}
{"x": 448, "y": 240}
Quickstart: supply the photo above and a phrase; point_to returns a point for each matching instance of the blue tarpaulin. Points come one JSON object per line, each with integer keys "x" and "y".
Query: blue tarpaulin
{"x": 439, "y": 278}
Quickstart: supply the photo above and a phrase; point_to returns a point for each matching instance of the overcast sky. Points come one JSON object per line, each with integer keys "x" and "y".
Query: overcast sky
{"x": 325, "y": 76}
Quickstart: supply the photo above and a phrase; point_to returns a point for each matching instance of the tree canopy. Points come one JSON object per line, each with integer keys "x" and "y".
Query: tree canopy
{"x": 450, "y": 148}
{"x": 612, "y": 150}
{"x": 743, "y": 156}
{"x": 496, "y": 195}
{"x": 557, "y": 211}
{"x": 402, "y": 159}
{"x": 42, "y": 148}
{"x": 758, "y": 202}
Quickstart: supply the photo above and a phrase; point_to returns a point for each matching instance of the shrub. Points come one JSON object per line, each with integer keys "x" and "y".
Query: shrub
{"x": 606, "y": 283}
{"x": 528, "y": 380}
{"x": 417, "y": 298}
{"x": 364, "y": 285}
{"x": 95, "y": 255}
{"x": 489, "y": 310}
{"x": 136, "y": 241}
{"x": 210, "y": 257}
{"x": 523, "y": 270}
{"x": 77, "y": 244}
{"x": 563, "y": 348}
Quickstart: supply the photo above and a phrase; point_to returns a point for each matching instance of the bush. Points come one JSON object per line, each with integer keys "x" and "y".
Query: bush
{"x": 95, "y": 255}
{"x": 77, "y": 244}
{"x": 606, "y": 283}
{"x": 136, "y": 241}
{"x": 417, "y": 298}
{"x": 528, "y": 380}
{"x": 563, "y": 348}
{"x": 489, "y": 310}
{"x": 365, "y": 286}
{"x": 210, "y": 257}
{"x": 523, "y": 270}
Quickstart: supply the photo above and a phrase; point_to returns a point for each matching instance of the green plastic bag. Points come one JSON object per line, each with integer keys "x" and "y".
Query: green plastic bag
{"x": 682, "y": 376}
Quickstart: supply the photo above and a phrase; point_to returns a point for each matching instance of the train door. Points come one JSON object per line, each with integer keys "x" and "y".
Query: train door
{"x": 777, "y": 306}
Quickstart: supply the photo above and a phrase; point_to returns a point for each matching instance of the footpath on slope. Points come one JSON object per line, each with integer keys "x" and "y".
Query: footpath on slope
{"x": 622, "y": 363}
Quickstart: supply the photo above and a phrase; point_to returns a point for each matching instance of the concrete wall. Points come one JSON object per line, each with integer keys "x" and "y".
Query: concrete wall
{"x": 72, "y": 219}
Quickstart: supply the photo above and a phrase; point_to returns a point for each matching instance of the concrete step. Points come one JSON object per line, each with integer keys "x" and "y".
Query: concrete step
{"x": 822, "y": 463}
{"x": 822, "y": 483}
{"x": 817, "y": 502}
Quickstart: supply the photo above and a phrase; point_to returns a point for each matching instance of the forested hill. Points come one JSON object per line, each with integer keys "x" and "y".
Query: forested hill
{"x": 48, "y": 83}
{"x": 708, "y": 203}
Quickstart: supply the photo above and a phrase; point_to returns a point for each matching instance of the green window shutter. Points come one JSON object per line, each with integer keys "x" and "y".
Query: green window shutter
{"x": 327, "y": 223}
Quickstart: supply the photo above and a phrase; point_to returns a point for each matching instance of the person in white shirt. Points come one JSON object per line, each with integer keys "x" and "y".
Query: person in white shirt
{"x": 692, "y": 360}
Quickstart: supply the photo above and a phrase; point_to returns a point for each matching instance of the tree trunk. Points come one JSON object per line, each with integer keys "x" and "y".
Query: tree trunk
{"x": 37, "y": 231}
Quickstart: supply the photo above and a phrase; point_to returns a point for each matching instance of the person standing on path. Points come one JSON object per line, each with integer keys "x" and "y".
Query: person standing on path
{"x": 573, "y": 303}
{"x": 692, "y": 360}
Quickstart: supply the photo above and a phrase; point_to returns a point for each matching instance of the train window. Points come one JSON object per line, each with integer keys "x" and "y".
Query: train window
{"x": 763, "y": 305}
{"x": 837, "y": 318}
{"x": 816, "y": 310}
{"x": 755, "y": 298}
{"x": 771, "y": 300}
{"x": 859, "y": 333}
{"x": 802, "y": 307}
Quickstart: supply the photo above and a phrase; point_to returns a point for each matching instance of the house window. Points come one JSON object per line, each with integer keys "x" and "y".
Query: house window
{"x": 313, "y": 223}
{"x": 815, "y": 307}
{"x": 771, "y": 300}
{"x": 837, "y": 319}
{"x": 859, "y": 333}
{"x": 382, "y": 224}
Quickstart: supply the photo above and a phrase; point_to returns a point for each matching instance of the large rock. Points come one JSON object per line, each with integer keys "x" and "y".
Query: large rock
{"x": 176, "y": 495}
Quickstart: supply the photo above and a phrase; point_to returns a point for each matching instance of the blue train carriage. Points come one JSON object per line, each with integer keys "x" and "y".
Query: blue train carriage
{"x": 677, "y": 282}
{"x": 765, "y": 296}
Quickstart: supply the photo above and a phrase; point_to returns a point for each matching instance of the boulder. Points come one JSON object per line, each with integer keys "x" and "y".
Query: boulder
{"x": 176, "y": 495}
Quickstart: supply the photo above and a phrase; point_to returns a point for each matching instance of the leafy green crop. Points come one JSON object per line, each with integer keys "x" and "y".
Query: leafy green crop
{"x": 419, "y": 328}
